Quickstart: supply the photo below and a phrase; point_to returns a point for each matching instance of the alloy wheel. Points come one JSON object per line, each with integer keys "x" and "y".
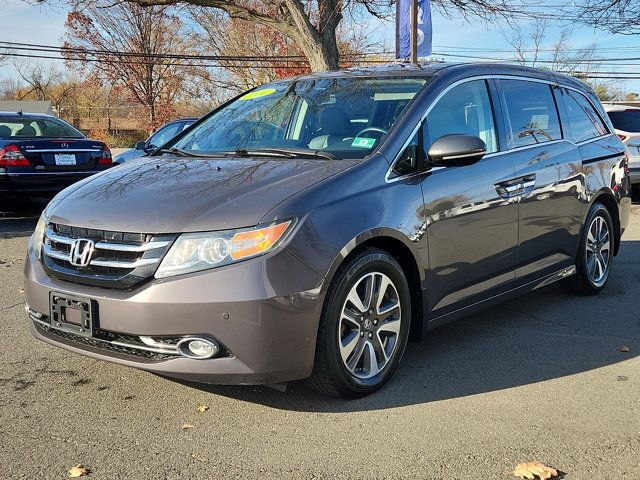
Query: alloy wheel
{"x": 369, "y": 325}
{"x": 598, "y": 250}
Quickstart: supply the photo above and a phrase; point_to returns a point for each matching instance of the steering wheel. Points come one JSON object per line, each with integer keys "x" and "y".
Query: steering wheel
{"x": 376, "y": 130}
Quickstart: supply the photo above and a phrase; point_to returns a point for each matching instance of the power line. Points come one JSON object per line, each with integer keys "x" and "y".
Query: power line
{"x": 240, "y": 61}
{"x": 87, "y": 51}
{"x": 98, "y": 60}
{"x": 81, "y": 52}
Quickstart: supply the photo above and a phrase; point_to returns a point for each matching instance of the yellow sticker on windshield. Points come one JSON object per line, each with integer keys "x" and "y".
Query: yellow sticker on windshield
{"x": 258, "y": 94}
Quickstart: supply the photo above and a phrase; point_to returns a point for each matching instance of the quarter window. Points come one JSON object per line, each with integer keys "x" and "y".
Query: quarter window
{"x": 532, "y": 112}
{"x": 585, "y": 122}
{"x": 465, "y": 109}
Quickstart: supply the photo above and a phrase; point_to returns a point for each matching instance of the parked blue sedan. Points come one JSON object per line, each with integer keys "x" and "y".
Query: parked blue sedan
{"x": 159, "y": 138}
{"x": 42, "y": 154}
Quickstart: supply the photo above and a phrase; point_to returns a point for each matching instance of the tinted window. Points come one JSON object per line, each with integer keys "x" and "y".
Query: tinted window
{"x": 23, "y": 126}
{"x": 585, "y": 122}
{"x": 465, "y": 109}
{"x": 628, "y": 121}
{"x": 532, "y": 112}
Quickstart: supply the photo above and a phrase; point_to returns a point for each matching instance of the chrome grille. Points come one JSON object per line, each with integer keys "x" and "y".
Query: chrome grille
{"x": 108, "y": 342}
{"x": 118, "y": 259}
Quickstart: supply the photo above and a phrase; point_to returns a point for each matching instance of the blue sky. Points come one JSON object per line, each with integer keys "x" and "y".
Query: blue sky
{"x": 30, "y": 23}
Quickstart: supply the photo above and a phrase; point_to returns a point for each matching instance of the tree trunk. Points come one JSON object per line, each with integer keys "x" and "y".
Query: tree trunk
{"x": 318, "y": 43}
{"x": 322, "y": 51}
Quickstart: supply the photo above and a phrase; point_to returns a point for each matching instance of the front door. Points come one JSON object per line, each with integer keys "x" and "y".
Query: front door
{"x": 471, "y": 215}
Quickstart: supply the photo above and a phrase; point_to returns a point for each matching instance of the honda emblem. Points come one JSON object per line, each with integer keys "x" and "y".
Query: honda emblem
{"x": 81, "y": 252}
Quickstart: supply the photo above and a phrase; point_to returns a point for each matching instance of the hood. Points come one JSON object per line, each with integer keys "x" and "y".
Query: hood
{"x": 173, "y": 195}
{"x": 125, "y": 155}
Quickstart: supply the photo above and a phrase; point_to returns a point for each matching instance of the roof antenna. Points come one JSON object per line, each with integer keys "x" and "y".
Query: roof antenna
{"x": 20, "y": 112}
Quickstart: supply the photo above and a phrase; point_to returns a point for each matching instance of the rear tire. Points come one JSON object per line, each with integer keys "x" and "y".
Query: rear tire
{"x": 595, "y": 253}
{"x": 364, "y": 326}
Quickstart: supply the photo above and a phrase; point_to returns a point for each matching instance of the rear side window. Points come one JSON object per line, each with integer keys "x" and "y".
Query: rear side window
{"x": 628, "y": 121}
{"x": 585, "y": 122}
{"x": 465, "y": 109}
{"x": 30, "y": 127}
{"x": 532, "y": 112}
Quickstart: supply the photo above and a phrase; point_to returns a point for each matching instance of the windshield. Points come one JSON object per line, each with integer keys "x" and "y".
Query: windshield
{"x": 344, "y": 117}
{"x": 25, "y": 126}
{"x": 165, "y": 134}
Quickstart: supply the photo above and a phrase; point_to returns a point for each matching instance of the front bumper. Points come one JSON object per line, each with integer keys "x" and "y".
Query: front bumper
{"x": 264, "y": 312}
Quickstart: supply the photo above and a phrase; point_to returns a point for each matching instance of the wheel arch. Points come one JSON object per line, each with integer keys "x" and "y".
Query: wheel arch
{"x": 397, "y": 245}
{"x": 607, "y": 199}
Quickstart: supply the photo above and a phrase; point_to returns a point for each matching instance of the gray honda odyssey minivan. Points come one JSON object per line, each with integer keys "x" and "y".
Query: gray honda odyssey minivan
{"x": 309, "y": 228}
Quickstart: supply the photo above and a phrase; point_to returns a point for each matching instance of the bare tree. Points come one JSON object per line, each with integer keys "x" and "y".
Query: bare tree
{"x": 581, "y": 62}
{"x": 520, "y": 39}
{"x": 9, "y": 88}
{"x": 111, "y": 33}
{"x": 219, "y": 34}
{"x": 616, "y": 16}
{"x": 529, "y": 49}
{"x": 39, "y": 77}
{"x": 312, "y": 24}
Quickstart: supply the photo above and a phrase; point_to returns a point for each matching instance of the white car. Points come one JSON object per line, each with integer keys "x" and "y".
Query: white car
{"x": 626, "y": 121}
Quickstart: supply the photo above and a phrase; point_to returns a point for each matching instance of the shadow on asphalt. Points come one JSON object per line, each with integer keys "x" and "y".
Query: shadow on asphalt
{"x": 543, "y": 335}
{"x": 18, "y": 217}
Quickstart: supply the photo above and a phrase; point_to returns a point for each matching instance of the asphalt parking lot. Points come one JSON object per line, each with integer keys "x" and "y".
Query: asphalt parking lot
{"x": 538, "y": 378}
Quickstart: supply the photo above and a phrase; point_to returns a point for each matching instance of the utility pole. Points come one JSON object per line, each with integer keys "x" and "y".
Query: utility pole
{"x": 414, "y": 31}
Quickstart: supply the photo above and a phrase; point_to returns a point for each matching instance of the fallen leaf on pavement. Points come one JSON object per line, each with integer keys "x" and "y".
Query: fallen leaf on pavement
{"x": 79, "y": 471}
{"x": 531, "y": 470}
{"x": 193, "y": 455}
{"x": 624, "y": 348}
{"x": 202, "y": 408}
{"x": 186, "y": 425}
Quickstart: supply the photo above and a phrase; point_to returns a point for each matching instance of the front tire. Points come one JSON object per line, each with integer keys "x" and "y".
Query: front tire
{"x": 595, "y": 253}
{"x": 364, "y": 326}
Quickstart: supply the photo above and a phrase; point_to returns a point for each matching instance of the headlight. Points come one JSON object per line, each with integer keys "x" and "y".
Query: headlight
{"x": 193, "y": 252}
{"x": 37, "y": 237}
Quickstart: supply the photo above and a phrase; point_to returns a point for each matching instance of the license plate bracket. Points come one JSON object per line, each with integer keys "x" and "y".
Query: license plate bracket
{"x": 65, "y": 158}
{"x": 71, "y": 313}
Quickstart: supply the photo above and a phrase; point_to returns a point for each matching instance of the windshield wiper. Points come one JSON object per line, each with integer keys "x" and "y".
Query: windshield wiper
{"x": 285, "y": 152}
{"x": 178, "y": 152}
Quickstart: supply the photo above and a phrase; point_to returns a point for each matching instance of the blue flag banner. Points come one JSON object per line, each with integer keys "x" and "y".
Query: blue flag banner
{"x": 403, "y": 28}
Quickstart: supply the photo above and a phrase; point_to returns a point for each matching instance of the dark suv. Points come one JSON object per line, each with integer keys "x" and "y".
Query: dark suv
{"x": 310, "y": 227}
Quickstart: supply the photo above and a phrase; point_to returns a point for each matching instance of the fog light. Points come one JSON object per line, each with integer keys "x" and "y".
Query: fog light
{"x": 199, "y": 348}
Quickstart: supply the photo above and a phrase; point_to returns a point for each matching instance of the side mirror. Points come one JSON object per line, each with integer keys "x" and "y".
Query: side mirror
{"x": 139, "y": 146}
{"x": 456, "y": 150}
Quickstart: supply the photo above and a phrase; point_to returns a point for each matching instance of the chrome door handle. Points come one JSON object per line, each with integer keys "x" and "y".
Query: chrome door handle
{"x": 516, "y": 186}
{"x": 528, "y": 183}
{"x": 508, "y": 189}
